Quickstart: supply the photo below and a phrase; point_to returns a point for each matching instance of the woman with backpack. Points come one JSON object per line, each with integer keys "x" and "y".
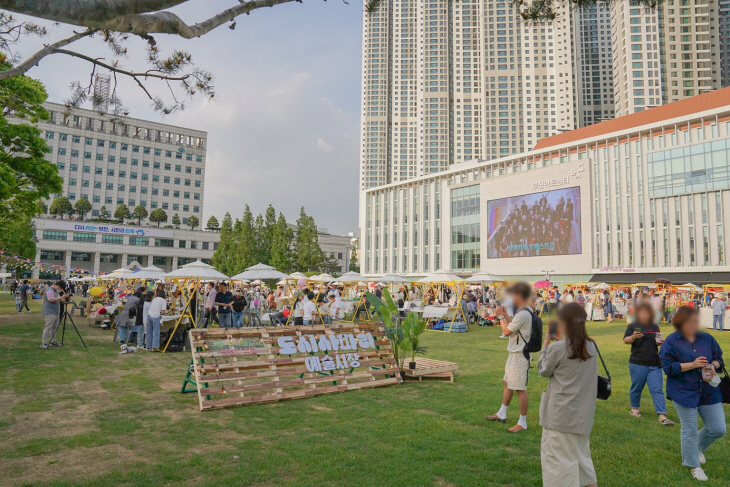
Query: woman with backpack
{"x": 568, "y": 405}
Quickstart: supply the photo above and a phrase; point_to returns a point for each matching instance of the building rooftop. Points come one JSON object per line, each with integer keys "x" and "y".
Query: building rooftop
{"x": 682, "y": 108}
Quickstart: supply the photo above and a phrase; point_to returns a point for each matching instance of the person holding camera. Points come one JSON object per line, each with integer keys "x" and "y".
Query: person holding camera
{"x": 645, "y": 367}
{"x": 53, "y": 299}
{"x": 518, "y": 330}
{"x": 690, "y": 358}
{"x": 568, "y": 406}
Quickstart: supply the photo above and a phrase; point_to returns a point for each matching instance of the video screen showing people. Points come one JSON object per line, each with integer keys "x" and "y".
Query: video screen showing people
{"x": 537, "y": 224}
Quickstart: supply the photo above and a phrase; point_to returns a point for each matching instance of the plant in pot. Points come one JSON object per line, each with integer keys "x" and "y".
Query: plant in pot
{"x": 413, "y": 328}
{"x": 388, "y": 312}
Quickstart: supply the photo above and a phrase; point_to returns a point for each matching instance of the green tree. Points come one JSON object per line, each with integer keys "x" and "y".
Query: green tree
{"x": 60, "y": 206}
{"x": 103, "y": 213}
{"x": 267, "y": 237}
{"x": 158, "y": 216}
{"x": 140, "y": 213}
{"x": 82, "y": 207}
{"x": 309, "y": 256}
{"x": 331, "y": 265}
{"x": 246, "y": 241}
{"x": 224, "y": 256}
{"x": 176, "y": 220}
{"x": 212, "y": 223}
{"x": 354, "y": 264}
{"x": 17, "y": 237}
{"x": 122, "y": 212}
{"x": 281, "y": 246}
{"x": 193, "y": 222}
{"x": 261, "y": 253}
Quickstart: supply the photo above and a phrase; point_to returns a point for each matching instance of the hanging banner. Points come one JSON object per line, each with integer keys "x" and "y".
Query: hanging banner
{"x": 81, "y": 226}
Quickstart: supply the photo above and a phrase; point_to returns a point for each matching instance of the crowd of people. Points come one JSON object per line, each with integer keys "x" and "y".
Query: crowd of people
{"x": 689, "y": 358}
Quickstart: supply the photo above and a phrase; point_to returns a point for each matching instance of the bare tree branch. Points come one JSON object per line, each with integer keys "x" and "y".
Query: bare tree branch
{"x": 33, "y": 60}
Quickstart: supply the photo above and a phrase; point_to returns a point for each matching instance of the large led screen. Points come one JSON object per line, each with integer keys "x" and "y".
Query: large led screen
{"x": 537, "y": 224}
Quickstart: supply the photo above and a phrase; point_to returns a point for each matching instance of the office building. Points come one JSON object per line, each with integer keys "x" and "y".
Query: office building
{"x": 630, "y": 199}
{"x": 122, "y": 160}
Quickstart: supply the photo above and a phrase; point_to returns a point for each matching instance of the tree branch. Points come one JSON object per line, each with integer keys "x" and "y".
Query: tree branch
{"x": 32, "y": 61}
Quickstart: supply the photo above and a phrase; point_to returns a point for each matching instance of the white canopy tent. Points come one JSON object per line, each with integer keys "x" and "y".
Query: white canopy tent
{"x": 150, "y": 272}
{"x": 392, "y": 279}
{"x": 350, "y": 277}
{"x": 483, "y": 277}
{"x": 122, "y": 273}
{"x": 441, "y": 276}
{"x": 196, "y": 270}
{"x": 258, "y": 272}
{"x": 297, "y": 275}
{"x": 321, "y": 278}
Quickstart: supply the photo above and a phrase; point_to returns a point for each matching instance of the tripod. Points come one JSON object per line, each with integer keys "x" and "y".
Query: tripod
{"x": 66, "y": 316}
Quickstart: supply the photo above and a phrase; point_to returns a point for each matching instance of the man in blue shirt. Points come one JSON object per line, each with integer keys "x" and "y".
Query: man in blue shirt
{"x": 24, "y": 295}
{"x": 223, "y": 301}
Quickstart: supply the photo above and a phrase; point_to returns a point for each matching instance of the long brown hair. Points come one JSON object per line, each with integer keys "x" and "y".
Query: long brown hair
{"x": 681, "y": 316}
{"x": 574, "y": 317}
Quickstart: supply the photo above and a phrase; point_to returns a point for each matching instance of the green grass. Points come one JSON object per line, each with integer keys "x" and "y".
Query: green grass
{"x": 91, "y": 417}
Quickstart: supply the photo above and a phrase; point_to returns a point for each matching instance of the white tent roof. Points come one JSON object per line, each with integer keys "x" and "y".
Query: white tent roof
{"x": 392, "y": 278}
{"x": 321, "y": 278}
{"x": 123, "y": 273}
{"x": 196, "y": 270}
{"x": 350, "y": 277}
{"x": 297, "y": 275}
{"x": 483, "y": 277}
{"x": 150, "y": 272}
{"x": 441, "y": 276}
{"x": 259, "y": 271}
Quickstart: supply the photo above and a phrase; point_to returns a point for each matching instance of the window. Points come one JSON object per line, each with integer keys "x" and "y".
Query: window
{"x": 159, "y": 261}
{"x": 87, "y": 155}
{"x": 112, "y": 239}
{"x": 188, "y": 169}
{"x": 61, "y": 151}
{"x": 199, "y": 158}
{"x": 110, "y": 172}
{"x": 135, "y": 148}
{"x": 62, "y": 137}
{"x": 86, "y": 169}
{"x": 177, "y": 180}
{"x": 75, "y": 139}
{"x": 51, "y": 255}
{"x": 196, "y": 209}
{"x": 198, "y": 171}
{"x": 196, "y": 196}
{"x": 168, "y": 166}
{"x": 100, "y": 143}
{"x": 61, "y": 166}
{"x": 49, "y": 135}
{"x": 158, "y": 152}
{"x": 81, "y": 256}
{"x": 74, "y": 153}
{"x": 53, "y": 235}
{"x": 112, "y": 145}
{"x": 205, "y": 245}
{"x": 181, "y": 244}
{"x": 88, "y": 141}
{"x": 108, "y": 258}
{"x": 139, "y": 241}
{"x": 178, "y": 168}
{"x": 73, "y": 167}
{"x": 164, "y": 242}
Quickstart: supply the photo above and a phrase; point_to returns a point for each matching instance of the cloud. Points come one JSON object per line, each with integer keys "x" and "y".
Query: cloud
{"x": 323, "y": 145}
{"x": 287, "y": 76}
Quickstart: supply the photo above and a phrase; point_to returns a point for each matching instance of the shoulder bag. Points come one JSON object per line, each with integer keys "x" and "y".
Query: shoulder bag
{"x": 725, "y": 386}
{"x": 604, "y": 383}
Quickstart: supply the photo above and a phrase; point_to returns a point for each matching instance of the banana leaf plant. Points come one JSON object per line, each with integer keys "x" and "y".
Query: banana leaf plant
{"x": 413, "y": 328}
{"x": 403, "y": 334}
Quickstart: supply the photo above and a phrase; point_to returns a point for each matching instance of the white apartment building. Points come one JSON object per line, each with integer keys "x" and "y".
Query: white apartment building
{"x": 630, "y": 199}
{"x": 122, "y": 160}
{"x": 450, "y": 82}
{"x": 664, "y": 55}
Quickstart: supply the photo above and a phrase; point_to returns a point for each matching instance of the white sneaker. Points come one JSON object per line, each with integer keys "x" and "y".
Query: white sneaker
{"x": 703, "y": 460}
{"x": 699, "y": 474}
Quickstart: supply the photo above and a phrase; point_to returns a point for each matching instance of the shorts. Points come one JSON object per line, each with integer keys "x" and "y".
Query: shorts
{"x": 516, "y": 371}
{"x": 566, "y": 459}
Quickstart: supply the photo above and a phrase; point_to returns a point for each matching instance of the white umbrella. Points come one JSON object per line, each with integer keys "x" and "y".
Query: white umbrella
{"x": 196, "y": 270}
{"x": 259, "y": 271}
{"x": 392, "y": 278}
{"x": 150, "y": 272}
{"x": 88, "y": 278}
{"x": 441, "y": 276}
{"x": 603, "y": 285}
{"x": 297, "y": 275}
{"x": 349, "y": 277}
{"x": 123, "y": 273}
{"x": 322, "y": 278}
{"x": 480, "y": 277}
{"x": 283, "y": 282}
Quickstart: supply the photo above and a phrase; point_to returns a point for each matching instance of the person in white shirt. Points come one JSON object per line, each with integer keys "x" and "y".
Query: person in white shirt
{"x": 334, "y": 309}
{"x": 158, "y": 307}
{"x": 519, "y": 331}
{"x": 309, "y": 310}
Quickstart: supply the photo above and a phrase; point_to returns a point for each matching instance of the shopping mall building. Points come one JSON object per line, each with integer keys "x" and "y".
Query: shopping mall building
{"x": 631, "y": 199}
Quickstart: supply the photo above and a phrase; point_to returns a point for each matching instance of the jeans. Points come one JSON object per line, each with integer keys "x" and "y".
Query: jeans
{"x": 651, "y": 376}
{"x": 694, "y": 441}
{"x": 139, "y": 329}
{"x": 152, "y": 332}
{"x": 717, "y": 323}
{"x": 224, "y": 320}
{"x": 237, "y": 318}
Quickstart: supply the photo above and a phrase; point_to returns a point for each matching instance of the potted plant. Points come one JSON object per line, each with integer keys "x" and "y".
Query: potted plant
{"x": 413, "y": 327}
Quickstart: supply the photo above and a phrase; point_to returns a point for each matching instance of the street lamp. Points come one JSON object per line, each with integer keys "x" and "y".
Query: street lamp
{"x": 547, "y": 274}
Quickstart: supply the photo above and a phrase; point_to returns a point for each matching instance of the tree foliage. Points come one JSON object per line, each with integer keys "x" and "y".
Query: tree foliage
{"x": 212, "y": 223}
{"x": 122, "y": 213}
{"x": 82, "y": 207}
{"x": 60, "y": 206}
{"x": 103, "y": 213}
{"x": 139, "y": 213}
{"x": 354, "y": 263}
{"x": 267, "y": 239}
{"x": 308, "y": 254}
{"x": 158, "y": 216}
{"x": 176, "y": 220}
{"x": 17, "y": 235}
{"x": 193, "y": 222}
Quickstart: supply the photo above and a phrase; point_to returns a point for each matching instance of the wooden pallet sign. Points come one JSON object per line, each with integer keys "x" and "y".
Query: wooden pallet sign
{"x": 240, "y": 366}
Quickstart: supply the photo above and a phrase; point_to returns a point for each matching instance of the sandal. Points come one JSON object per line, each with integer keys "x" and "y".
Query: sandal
{"x": 635, "y": 414}
{"x": 667, "y": 422}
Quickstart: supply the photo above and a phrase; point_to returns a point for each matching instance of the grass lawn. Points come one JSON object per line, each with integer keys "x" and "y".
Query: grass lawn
{"x": 91, "y": 417}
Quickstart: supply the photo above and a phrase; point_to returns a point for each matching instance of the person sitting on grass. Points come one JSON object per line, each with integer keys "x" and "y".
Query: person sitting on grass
{"x": 644, "y": 364}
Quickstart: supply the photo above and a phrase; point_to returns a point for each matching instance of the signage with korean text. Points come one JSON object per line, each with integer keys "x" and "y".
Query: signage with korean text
{"x": 83, "y": 226}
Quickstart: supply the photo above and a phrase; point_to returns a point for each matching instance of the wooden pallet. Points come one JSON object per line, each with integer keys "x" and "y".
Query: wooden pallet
{"x": 238, "y": 366}
{"x": 430, "y": 368}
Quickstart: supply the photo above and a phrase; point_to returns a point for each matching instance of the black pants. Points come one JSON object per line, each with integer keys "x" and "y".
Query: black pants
{"x": 210, "y": 316}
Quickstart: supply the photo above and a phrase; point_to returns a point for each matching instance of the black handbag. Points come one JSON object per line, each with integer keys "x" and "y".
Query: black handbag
{"x": 604, "y": 383}
{"x": 725, "y": 387}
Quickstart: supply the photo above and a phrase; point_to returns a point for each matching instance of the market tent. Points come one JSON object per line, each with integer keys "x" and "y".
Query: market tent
{"x": 151, "y": 272}
{"x": 259, "y": 271}
{"x": 122, "y": 273}
{"x": 481, "y": 277}
{"x": 321, "y": 278}
{"x": 350, "y": 277}
{"x": 440, "y": 276}
{"x": 196, "y": 270}
{"x": 392, "y": 279}
{"x": 297, "y": 275}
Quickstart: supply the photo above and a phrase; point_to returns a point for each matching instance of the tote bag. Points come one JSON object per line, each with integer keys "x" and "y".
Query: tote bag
{"x": 604, "y": 383}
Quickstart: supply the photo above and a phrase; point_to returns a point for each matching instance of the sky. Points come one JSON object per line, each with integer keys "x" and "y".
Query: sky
{"x": 283, "y": 128}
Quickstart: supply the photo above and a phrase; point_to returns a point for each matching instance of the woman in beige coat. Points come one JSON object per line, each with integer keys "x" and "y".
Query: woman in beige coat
{"x": 568, "y": 405}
